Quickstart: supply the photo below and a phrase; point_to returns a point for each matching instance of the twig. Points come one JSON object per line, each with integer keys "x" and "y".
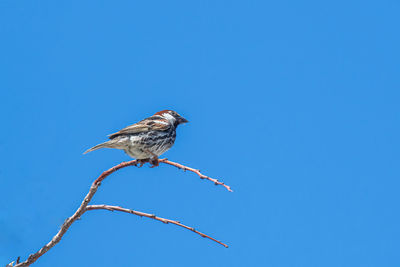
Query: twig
{"x": 151, "y": 216}
{"x": 84, "y": 207}
{"x": 202, "y": 176}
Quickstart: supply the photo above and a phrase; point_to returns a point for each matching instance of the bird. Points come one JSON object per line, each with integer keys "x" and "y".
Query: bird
{"x": 147, "y": 139}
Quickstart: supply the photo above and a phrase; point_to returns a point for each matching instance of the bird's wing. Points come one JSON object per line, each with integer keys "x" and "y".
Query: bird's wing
{"x": 149, "y": 124}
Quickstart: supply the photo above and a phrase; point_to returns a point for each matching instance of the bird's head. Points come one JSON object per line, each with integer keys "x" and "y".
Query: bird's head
{"x": 172, "y": 116}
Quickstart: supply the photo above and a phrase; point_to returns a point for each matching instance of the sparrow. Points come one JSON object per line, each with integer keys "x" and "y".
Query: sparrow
{"x": 147, "y": 139}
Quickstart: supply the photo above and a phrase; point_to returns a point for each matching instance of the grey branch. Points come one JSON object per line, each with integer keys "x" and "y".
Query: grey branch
{"x": 151, "y": 216}
{"x": 86, "y": 207}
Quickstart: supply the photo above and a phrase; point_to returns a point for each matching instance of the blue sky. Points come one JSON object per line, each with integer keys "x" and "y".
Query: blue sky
{"x": 295, "y": 104}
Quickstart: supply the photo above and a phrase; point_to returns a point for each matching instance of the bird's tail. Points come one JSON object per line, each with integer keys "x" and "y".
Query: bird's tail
{"x": 109, "y": 144}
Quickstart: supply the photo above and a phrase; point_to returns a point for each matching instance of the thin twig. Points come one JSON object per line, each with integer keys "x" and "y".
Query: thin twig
{"x": 151, "y": 216}
{"x": 202, "y": 176}
{"x": 93, "y": 189}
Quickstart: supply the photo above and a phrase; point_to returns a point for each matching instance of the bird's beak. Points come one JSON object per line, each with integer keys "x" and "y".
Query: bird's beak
{"x": 183, "y": 120}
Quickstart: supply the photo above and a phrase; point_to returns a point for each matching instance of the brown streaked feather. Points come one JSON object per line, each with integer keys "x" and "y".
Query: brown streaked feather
{"x": 149, "y": 124}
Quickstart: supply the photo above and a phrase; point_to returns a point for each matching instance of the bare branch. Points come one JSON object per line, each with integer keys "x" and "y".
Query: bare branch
{"x": 78, "y": 213}
{"x": 84, "y": 207}
{"x": 151, "y": 216}
{"x": 202, "y": 176}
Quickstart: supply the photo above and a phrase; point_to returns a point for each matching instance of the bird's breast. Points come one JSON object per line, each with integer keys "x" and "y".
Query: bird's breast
{"x": 146, "y": 145}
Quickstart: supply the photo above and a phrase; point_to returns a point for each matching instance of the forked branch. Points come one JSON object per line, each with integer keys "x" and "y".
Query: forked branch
{"x": 86, "y": 207}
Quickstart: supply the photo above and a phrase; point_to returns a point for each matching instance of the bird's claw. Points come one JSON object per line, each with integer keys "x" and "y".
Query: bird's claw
{"x": 154, "y": 162}
{"x": 141, "y": 162}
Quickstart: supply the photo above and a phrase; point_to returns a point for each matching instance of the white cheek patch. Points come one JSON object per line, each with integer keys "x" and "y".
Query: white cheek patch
{"x": 169, "y": 117}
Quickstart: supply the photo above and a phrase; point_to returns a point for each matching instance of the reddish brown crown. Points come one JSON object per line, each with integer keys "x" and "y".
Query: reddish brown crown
{"x": 162, "y": 112}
